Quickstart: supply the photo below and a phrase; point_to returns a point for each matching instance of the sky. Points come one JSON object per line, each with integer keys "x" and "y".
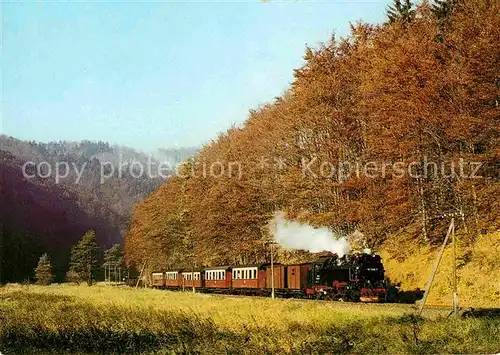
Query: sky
{"x": 155, "y": 74}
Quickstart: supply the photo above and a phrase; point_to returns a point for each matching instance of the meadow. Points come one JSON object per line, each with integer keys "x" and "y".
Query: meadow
{"x": 103, "y": 319}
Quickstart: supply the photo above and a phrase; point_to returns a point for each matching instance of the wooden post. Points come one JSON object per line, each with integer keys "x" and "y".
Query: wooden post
{"x": 192, "y": 277}
{"x": 272, "y": 270}
{"x": 140, "y": 275}
{"x": 455, "y": 292}
{"x": 436, "y": 265}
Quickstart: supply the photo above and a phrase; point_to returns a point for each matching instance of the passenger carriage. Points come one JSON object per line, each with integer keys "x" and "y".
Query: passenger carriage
{"x": 192, "y": 278}
{"x": 172, "y": 278}
{"x": 157, "y": 280}
{"x": 218, "y": 277}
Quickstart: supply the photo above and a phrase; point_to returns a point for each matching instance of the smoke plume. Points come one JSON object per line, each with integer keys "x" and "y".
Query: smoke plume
{"x": 295, "y": 235}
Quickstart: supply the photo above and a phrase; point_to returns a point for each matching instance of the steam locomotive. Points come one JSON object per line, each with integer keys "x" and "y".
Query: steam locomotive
{"x": 356, "y": 277}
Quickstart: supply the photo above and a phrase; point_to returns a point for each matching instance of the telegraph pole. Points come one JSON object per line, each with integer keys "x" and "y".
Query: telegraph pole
{"x": 451, "y": 231}
{"x": 192, "y": 266}
{"x": 455, "y": 292}
{"x": 272, "y": 243}
{"x": 272, "y": 271}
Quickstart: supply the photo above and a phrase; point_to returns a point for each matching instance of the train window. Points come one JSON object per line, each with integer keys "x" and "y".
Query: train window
{"x": 255, "y": 274}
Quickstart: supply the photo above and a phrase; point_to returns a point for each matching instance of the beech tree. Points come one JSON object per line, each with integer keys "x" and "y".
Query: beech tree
{"x": 387, "y": 93}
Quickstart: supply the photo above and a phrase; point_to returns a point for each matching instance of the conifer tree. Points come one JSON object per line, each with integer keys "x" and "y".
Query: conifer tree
{"x": 84, "y": 257}
{"x": 402, "y": 10}
{"x": 113, "y": 255}
{"x": 442, "y": 9}
{"x": 43, "y": 272}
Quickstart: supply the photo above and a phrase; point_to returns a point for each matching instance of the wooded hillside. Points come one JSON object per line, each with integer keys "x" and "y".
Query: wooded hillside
{"x": 39, "y": 214}
{"x": 391, "y": 99}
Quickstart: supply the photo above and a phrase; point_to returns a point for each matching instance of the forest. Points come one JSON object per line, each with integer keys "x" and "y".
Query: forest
{"x": 42, "y": 215}
{"x": 421, "y": 90}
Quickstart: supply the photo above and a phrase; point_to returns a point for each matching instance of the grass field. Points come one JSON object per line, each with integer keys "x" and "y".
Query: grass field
{"x": 81, "y": 319}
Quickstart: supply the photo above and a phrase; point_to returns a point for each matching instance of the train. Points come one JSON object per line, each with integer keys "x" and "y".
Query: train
{"x": 354, "y": 277}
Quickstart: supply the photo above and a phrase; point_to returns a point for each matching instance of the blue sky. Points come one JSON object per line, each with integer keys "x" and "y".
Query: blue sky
{"x": 155, "y": 74}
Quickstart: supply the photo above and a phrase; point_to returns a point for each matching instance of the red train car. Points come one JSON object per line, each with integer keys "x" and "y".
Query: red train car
{"x": 172, "y": 278}
{"x": 157, "y": 280}
{"x": 279, "y": 272}
{"x": 297, "y": 276}
{"x": 190, "y": 278}
{"x": 250, "y": 276}
{"x": 218, "y": 277}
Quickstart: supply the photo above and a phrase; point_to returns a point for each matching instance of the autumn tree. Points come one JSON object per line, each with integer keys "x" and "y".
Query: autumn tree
{"x": 385, "y": 94}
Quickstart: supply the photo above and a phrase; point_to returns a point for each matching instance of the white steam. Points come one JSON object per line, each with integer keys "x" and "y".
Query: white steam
{"x": 295, "y": 235}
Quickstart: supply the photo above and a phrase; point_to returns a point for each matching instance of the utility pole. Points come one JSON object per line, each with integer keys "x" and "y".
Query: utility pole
{"x": 455, "y": 292}
{"x": 192, "y": 275}
{"x": 272, "y": 271}
{"x": 140, "y": 275}
{"x": 192, "y": 266}
{"x": 272, "y": 243}
{"x": 451, "y": 230}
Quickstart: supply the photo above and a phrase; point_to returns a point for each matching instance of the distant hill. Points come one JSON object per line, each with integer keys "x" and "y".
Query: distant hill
{"x": 39, "y": 212}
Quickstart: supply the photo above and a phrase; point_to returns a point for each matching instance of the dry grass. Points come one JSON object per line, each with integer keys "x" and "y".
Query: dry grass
{"x": 478, "y": 271}
{"x": 97, "y": 319}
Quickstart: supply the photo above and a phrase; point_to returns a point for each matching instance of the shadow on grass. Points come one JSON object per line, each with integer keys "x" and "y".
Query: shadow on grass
{"x": 41, "y": 323}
